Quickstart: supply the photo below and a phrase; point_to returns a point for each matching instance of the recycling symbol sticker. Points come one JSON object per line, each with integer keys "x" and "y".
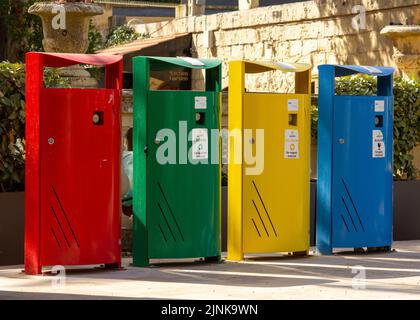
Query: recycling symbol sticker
{"x": 291, "y": 150}
{"x": 378, "y": 144}
{"x": 291, "y": 144}
{"x": 199, "y": 144}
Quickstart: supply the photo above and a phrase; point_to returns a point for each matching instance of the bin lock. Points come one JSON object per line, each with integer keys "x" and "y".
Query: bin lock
{"x": 98, "y": 118}
{"x": 292, "y": 119}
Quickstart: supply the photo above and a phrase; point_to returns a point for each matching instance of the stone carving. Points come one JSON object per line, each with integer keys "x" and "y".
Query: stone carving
{"x": 65, "y": 27}
{"x": 406, "y": 41}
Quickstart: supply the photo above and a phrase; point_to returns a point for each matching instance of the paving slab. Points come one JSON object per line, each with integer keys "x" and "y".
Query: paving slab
{"x": 347, "y": 275}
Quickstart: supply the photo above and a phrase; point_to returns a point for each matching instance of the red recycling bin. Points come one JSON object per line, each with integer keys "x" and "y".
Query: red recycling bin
{"x": 72, "y": 170}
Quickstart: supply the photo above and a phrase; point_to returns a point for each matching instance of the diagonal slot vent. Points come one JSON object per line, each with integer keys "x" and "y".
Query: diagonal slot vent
{"x": 262, "y": 222}
{"x": 170, "y": 210}
{"x": 65, "y": 215}
{"x": 163, "y": 235}
{"x": 345, "y": 223}
{"x": 55, "y": 237}
{"x": 352, "y": 203}
{"x": 265, "y": 209}
{"x": 349, "y": 214}
{"x": 166, "y": 221}
{"x": 60, "y": 226}
{"x": 256, "y": 228}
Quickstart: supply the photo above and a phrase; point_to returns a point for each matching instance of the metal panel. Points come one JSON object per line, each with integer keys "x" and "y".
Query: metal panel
{"x": 362, "y": 184}
{"x": 177, "y": 205}
{"x": 78, "y": 202}
{"x": 182, "y": 198}
{"x": 355, "y": 151}
{"x": 268, "y": 210}
{"x": 72, "y": 168}
{"x": 276, "y": 202}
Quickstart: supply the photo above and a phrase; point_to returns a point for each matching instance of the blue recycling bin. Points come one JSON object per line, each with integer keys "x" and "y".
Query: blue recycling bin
{"x": 355, "y": 149}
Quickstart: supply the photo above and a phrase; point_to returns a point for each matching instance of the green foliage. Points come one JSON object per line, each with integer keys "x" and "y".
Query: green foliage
{"x": 52, "y": 79}
{"x": 95, "y": 38}
{"x": 406, "y": 127}
{"x": 12, "y": 127}
{"x": 406, "y": 117}
{"x": 12, "y": 122}
{"x": 23, "y": 29}
{"x": 95, "y": 44}
{"x": 360, "y": 85}
{"x": 122, "y": 34}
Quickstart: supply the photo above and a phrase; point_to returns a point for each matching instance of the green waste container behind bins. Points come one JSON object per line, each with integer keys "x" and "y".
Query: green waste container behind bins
{"x": 176, "y": 205}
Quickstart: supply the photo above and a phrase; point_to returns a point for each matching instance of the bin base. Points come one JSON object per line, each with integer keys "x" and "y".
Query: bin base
{"x": 379, "y": 249}
{"x": 300, "y": 253}
{"x": 115, "y": 265}
{"x": 33, "y": 271}
{"x": 372, "y": 249}
{"x": 146, "y": 263}
{"x": 216, "y": 259}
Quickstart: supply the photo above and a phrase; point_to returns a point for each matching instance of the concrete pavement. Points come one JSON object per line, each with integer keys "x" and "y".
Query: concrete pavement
{"x": 394, "y": 275}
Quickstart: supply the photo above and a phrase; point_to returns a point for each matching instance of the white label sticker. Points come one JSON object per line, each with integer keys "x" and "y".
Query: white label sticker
{"x": 291, "y": 135}
{"x": 192, "y": 61}
{"x": 291, "y": 150}
{"x": 200, "y": 102}
{"x": 379, "y": 106}
{"x": 199, "y": 144}
{"x": 291, "y": 144}
{"x": 378, "y": 144}
{"x": 293, "y": 105}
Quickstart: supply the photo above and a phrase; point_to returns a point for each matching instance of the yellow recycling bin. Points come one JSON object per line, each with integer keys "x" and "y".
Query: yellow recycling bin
{"x": 268, "y": 171}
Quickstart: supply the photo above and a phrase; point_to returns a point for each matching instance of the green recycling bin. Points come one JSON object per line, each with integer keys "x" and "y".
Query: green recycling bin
{"x": 176, "y": 144}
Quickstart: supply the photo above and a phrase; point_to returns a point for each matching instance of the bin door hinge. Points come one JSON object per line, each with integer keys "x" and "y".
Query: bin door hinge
{"x": 146, "y": 150}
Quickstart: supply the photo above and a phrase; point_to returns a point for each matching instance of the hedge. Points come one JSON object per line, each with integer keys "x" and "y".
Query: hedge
{"x": 406, "y": 117}
{"x": 12, "y": 123}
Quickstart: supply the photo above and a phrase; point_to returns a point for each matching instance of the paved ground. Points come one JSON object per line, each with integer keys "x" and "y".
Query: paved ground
{"x": 394, "y": 275}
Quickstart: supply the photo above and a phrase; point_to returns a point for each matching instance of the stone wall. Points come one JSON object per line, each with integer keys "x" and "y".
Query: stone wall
{"x": 105, "y": 21}
{"x": 317, "y": 32}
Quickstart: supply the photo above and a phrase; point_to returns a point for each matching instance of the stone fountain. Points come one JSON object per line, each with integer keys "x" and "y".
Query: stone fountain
{"x": 406, "y": 40}
{"x": 68, "y": 35}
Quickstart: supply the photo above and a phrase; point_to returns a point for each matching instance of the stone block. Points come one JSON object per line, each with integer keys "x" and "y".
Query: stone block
{"x": 292, "y": 32}
{"x": 237, "y": 52}
{"x": 309, "y": 46}
{"x": 295, "y": 48}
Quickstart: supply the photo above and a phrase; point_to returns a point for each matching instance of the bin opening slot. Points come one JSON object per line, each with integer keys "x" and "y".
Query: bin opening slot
{"x": 200, "y": 117}
{"x": 379, "y": 121}
{"x": 76, "y": 76}
{"x": 292, "y": 119}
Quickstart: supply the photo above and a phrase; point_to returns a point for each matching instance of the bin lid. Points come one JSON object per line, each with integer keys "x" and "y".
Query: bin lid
{"x": 186, "y": 62}
{"x": 347, "y": 70}
{"x": 67, "y": 59}
{"x": 263, "y": 66}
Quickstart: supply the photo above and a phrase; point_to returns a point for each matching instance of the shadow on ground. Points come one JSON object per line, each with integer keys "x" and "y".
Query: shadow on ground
{"x": 387, "y": 271}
